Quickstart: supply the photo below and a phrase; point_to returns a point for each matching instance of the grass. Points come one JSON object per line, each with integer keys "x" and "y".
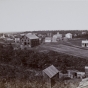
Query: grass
{"x": 76, "y": 42}
{"x": 70, "y": 47}
{"x": 36, "y": 84}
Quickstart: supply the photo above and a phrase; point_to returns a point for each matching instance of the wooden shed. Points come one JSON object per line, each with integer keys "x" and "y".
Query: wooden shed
{"x": 50, "y": 75}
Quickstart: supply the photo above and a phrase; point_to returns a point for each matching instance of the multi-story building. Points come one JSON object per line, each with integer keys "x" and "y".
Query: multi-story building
{"x": 29, "y": 40}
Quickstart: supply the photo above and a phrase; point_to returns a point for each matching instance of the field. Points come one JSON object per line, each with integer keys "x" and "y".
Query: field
{"x": 67, "y": 49}
{"x": 23, "y": 68}
{"x": 77, "y": 41}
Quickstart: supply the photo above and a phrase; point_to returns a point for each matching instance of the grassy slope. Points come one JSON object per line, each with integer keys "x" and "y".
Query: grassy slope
{"x": 36, "y": 84}
{"x": 21, "y": 76}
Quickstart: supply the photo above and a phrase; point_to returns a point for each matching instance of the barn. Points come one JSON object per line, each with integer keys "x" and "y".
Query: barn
{"x": 84, "y": 43}
{"x": 29, "y": 40}
{"x": 50, "y": 74}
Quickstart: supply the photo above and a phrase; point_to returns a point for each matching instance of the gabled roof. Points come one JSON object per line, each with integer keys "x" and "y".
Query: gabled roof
{"x": 31, "y": 36}
{"x": 84, "y": 41}
{"x": 51, "y": 71}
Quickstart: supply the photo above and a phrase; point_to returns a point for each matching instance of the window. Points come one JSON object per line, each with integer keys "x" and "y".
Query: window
{"x": 28, "y": 43}
{"x": 25, "y": 43}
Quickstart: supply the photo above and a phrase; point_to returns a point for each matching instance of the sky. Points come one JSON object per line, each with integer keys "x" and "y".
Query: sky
{"x": 34, "y": 15}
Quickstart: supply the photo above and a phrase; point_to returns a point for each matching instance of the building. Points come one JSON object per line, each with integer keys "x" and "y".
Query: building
{"x": 80, "y": 75}
{"x": 29, "y": 40}
{"x": 86, "y": 71}
{"x": 17, "y": 40}
{"x": 57, "y": 37}
{"x": 83, "y": 33}
{"x": 54, "y": 39}
{"x": 50, "y": 74}
{"x": 72, "y": 73}
{"x": 68, "y": 35}
{"x": 49, "y": 34}
{"x": 9, "y": 40}
{"x": 2, "y": 36}
{"x": 84, "y": 43}
{"x": 75, "y": 35}
{"x": 48, "y": 39}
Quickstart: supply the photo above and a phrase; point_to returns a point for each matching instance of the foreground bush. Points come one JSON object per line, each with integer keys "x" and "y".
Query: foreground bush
{"x": 36, "y": 84}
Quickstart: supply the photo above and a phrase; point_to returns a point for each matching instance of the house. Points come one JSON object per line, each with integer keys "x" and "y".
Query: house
{"x": 72, "y": 73}
{"x": 84, "y": 43}
{"x": 17, "y": 40}
{"x": 83, "y": 32}
{"x": 75, "y": 35}
{"x": 80, "y": 75}
{"x": 9, "y": 40}
{"x": 49, "y": 34}
{"x": 50, "y": 74}
{"x": 68, "y": 35}
{"x": 48, "y": 39}
{"x": 57, "y": 37}
{"x": 2, "y": 36}
{"x": 54, "y": 39}
{"x": 29, "y": 40}
{"x": 40, "y": 35}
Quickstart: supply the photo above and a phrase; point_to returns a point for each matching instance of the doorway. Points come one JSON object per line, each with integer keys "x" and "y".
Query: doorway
{"x": 85, "y": 44}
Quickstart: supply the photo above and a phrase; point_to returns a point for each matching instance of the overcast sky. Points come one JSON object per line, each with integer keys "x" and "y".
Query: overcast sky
{"x": 28, "y": 15}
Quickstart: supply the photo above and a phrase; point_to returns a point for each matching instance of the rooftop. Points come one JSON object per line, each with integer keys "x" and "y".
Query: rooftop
{"x": 31, "y": 36}
{"x": 51, "y": 71}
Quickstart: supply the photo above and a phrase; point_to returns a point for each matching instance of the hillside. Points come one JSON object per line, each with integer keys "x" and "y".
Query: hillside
{"x": 26, "y": 65}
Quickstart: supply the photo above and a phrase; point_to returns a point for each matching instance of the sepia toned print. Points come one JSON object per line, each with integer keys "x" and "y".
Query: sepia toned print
{"x": 43, "y": 44}
{"x": 27, "y": 60}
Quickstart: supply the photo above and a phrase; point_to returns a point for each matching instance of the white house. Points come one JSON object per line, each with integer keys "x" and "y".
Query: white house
{"x": 84, "y": 43}
{"x": 72, "y": 73}
{"x": 48, "y": 39}
{"x": 54, "y": 39}
{"x": 68, "y": 35}
{"x": 17, "y": 40}
{"x": 57, "y": 37}
{"x": 80, "y": 75}
{"x": 83, "y": 32}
